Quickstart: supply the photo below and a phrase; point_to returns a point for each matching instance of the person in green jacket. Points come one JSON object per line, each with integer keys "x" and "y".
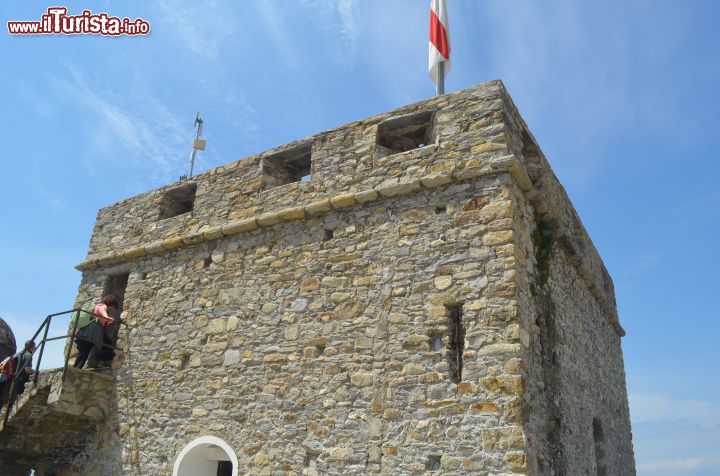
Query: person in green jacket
{"x": 91, "y": 326}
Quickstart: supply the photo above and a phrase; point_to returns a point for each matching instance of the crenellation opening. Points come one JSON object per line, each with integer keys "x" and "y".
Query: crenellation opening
{"x": 292, "y": 165}
{"x": 178, "y": 200}
{"x": 405, "y": 133}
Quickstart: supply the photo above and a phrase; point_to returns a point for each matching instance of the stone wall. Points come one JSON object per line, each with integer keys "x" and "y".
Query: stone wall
{"x": 54, "y": 423}
{"x": 310, "y": 325}
{"x": 346, "y": 159}
{"x": 575, "y": 410}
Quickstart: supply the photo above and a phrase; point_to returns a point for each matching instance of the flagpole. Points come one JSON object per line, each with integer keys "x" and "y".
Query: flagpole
{"x": 440, "y": 88}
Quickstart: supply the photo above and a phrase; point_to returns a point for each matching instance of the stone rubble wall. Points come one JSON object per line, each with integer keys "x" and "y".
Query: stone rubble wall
{"x": 84, "y": 393}
{"x": 572, "y": 355}
{"x": 344, "y": 160}
{"x": 296, "y": 322}
{"x": 53, "y": 425}
{"x": 572, "y": 359}
{"x": 549, "y": 200}
{"x": 287, "y": 345}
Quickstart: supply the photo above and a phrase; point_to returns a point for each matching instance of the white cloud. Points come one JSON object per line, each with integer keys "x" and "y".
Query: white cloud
{"x": 274, "y": 21}
{"x": 202, "y": 26}
{"x": 395, "y": 50}
{"x": 673, "y": 465}
{"x": 334, "y": 21}
{"x": 136, "y": 129}
{"x": 640, "y": 264}
{"x": 337, "y": 23}
{"x": 577, "y": 66}
{"x": 645, "y": 408}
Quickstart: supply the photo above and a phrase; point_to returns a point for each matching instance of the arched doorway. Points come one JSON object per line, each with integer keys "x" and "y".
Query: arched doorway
{"x": 206, "y": 456}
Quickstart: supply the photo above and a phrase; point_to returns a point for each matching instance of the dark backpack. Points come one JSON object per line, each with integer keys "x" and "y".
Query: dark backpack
{"x": 7, "y": 369}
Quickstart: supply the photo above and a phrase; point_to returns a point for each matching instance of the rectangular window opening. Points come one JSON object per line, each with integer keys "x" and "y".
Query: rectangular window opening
{"x": 311, "y": 458}
{"x": 178, "y": 200}
{"x": 116, "y": 285}
{"x": 292, "y": 165}
{"x": 406, "y": 133}
{"x": 433, "y": 463}
{"x": 224, "y": 468}
{"x": 456, "y": 346}
{"x": 436, "y": 342}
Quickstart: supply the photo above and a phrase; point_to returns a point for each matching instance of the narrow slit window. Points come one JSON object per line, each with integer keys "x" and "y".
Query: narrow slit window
{"x": 599, "y": 441}
{"x": 456, "y": 345}
{"x": 406, "y": 133}
{"x": 292, "y": 165}
{"x": 178, "y": 200}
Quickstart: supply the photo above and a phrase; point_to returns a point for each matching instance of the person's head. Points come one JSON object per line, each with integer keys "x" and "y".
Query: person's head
{"x": 110, "y": 301}
{"x": 30, "y": 346}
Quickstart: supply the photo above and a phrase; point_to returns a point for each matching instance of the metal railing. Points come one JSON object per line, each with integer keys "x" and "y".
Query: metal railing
{"x": 45, "y": 328}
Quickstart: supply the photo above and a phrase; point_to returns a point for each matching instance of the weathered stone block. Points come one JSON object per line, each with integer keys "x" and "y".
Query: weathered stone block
{"x": 503, "y": 439}
{"x": 505, "y": 384}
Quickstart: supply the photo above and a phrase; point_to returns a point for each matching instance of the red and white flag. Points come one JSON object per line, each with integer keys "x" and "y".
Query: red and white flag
{"x": 439, "y": 39}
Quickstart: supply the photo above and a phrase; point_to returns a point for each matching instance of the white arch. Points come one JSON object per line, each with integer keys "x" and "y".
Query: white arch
{"x": 200, "y": 448}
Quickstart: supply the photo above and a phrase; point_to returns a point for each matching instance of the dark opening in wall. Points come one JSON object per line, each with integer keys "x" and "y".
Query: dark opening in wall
{"x": 456, "y": 345}
{"x": 178, "y": 200}
{"x": 599, "y": 440}
{"x": 440, "y": 210}
{"x": 433, "y": 463}
{"x": 406, "y": 133}
{"x": 185, "y": 361}
{"x": 436, "y": 342}
{"x": 329, "y": 234}
{"x": 207, "y": 262}
{"x": 292, "y": 165}
{"x": 224, "y": 468}
{"x": 311, "y": 459}
{"x": 116, "y": 285}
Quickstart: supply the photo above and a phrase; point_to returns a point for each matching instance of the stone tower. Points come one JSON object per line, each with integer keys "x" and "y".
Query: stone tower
{"x": 407, "y": 294}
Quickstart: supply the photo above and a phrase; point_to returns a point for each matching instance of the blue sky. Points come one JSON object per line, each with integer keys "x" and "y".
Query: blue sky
{"x": 621, "y": 95}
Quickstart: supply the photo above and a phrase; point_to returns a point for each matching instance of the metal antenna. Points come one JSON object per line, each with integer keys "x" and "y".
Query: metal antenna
{"x": 198, "y": 143}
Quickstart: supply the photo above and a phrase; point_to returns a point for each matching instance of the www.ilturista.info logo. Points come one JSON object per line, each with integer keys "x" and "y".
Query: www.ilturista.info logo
{"x": 57, "y": 22}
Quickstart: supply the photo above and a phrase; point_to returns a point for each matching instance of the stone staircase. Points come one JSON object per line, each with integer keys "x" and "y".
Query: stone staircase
{"x": 53, "y": 421}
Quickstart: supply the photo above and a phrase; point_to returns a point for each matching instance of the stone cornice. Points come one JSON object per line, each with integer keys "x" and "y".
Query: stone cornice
{"x": 473, "y": 169}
